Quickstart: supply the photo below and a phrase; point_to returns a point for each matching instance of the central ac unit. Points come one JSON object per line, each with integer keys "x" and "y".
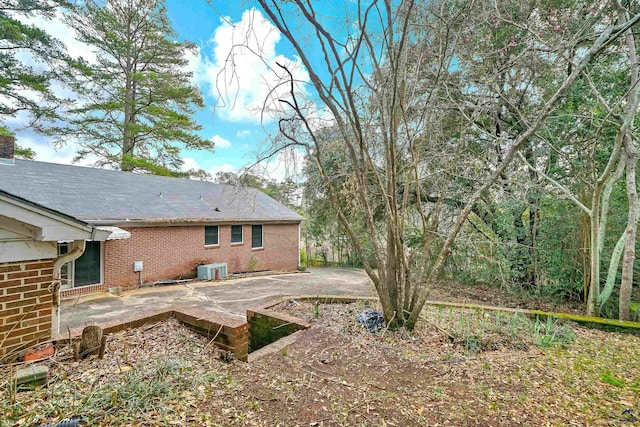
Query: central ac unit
{"x": 208, "y": 271}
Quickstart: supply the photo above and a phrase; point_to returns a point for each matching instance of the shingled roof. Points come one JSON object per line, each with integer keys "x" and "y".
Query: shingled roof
{"x": 106, "y": 197}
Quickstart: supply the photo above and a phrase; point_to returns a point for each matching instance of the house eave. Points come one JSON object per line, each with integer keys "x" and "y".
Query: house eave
{"x": 40, "y": 223}
{"x": 175, "y": 222}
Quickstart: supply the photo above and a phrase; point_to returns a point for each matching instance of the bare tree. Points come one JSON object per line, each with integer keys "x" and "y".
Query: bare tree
{"x": 390, "y": 83}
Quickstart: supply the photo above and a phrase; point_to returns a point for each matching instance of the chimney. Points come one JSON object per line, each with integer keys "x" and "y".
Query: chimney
{"x": 7, "y": 149}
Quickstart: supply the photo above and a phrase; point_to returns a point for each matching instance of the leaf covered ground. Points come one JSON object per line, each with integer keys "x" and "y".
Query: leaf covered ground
{"x": 458, "y": 368}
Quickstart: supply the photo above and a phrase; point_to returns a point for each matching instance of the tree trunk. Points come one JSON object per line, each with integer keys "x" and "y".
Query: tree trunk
{"x": 626, "y": 285}
{"x": 519, "y": 256}
{"x": 128, "y": 143}
{"x": 586, "y": 257}
{"x": 127, "y": 134}
{"x": 612, "y": 274}
{"x": 534, "y": 216}
{"x": 91, "y": 341}
{"x": 631, "y": 158}
{"x": 594, "y": 253}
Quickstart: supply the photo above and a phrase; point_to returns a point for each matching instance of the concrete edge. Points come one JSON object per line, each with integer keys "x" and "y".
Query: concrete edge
{"x": 331, "y": 299}
{"x": 283, "y": 317}
{"x": 274, "y": 347}
{"x": 591, "y": 322}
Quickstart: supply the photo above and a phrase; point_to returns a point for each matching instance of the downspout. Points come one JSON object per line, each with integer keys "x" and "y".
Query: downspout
{"x": 78, "y": 249}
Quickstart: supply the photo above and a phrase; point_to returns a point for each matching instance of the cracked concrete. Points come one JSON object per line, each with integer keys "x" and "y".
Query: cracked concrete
{"x": 230, "y": 297}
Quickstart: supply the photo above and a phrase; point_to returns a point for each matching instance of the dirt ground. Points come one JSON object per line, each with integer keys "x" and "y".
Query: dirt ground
{"x": 458, "y": 368}
{"x": 337, "y": 373}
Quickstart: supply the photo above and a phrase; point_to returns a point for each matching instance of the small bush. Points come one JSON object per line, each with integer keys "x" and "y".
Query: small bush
{"x": 303, "y": 259}
{"x": 554, "y": 333}
{"x": 252, "y": 263}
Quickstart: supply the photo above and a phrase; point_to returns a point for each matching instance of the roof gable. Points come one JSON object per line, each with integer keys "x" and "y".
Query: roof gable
{"x": 24, "y": 220}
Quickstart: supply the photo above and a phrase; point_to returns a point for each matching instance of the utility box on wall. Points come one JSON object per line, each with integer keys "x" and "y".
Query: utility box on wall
{"x": 137, "y": 266}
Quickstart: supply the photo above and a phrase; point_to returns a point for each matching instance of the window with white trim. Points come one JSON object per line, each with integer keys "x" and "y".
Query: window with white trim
{"x": 211, "y": 236}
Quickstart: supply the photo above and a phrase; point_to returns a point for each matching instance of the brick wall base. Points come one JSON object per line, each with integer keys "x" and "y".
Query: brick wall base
{"x": 228, "y": 334}
{"x": 82, "y": 290}
{"x": 25, "y": 306}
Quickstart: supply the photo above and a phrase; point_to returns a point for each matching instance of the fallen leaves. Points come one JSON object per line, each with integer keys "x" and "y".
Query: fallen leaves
{"x": 155, "y": 375}
{"x": 338, "y": 374}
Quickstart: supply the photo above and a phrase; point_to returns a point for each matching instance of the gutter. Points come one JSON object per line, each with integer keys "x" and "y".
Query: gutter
{"x": 170, "y": 222}
{"x": 79, "y": 247}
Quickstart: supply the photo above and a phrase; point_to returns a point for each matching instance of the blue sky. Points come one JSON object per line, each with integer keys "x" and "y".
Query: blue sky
{"x": 233, "y": 121}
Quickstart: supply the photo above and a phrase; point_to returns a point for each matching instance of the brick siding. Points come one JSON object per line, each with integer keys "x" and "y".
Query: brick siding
{"x": 25, "y": 305}
{"x": 176, "y": 251}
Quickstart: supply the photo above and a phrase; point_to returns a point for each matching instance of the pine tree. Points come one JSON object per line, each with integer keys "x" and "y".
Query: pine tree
{"x": 137, "y": 99}
{"x": 30, "y": 60}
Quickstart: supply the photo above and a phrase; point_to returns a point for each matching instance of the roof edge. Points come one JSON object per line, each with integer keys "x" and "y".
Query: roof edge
{"x": 189, "y": 222}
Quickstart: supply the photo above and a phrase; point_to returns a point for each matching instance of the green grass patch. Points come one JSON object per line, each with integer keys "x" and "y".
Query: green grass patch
{"x": 608, "y": 378}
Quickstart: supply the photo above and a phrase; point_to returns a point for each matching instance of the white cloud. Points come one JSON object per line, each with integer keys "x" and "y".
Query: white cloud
{"x": 243, "y": 133}
{"x": 189, "y": 163}
{"x": 46, "y": 152}
{"x": 67, "y": 35}
{"x": 220, "y": 142}
{"x": 21, "y": 119}
{"x": 196, "y": 65}
{"x": 242, "y": 73}
{"x": 58, "y": 29}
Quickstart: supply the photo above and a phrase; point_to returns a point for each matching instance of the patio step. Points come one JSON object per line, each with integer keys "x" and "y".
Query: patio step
{"x": 274, "y": 347}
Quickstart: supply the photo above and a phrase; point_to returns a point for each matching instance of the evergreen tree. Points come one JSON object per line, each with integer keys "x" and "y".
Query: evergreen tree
{"x": 137, "y": 99}
{"x": 30, "y": 60}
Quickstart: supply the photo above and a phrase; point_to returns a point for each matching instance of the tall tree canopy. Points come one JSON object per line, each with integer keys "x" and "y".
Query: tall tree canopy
{"x": 30, "y": 60}
{"x": 137, "y": 99}
{"x": 431, "y": 103}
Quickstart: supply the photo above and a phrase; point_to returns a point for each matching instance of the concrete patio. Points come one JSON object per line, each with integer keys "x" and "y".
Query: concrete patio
{"x": 230, "y": 298}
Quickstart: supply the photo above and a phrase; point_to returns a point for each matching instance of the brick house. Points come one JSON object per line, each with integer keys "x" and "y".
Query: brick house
{"x": 28, "y": 263}
{"x": 167, "y": 226}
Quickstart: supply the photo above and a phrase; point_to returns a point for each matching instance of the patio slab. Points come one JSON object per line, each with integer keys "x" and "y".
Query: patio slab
{"x": 230, "y": 298}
